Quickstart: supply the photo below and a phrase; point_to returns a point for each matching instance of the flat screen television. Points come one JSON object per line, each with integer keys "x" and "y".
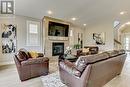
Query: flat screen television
{"x": 58, "y": 29}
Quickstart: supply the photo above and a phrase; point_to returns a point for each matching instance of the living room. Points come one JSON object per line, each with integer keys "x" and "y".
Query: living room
{"x": 56, "y": 31}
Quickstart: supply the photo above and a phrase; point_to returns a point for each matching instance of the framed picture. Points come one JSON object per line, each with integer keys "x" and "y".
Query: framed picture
{"x": 80, "y": 39}
{"x": 8, "y": 38}
{"x": 99, "y": 38}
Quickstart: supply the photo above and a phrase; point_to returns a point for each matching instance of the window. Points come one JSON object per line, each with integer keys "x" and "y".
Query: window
{"x": 116, "y": 23}
{"x": 7, "y": 7}
{"x": 33, "y": 33}
{"x": 127, "y": 43}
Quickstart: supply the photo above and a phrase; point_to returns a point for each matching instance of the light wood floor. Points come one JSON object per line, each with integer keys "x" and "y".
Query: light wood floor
{"x": 122, "y": 80}
{"x": 9, "y": 77}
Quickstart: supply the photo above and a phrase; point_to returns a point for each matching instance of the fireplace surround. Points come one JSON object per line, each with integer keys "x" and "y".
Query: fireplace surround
{"x": 50, "y": 50}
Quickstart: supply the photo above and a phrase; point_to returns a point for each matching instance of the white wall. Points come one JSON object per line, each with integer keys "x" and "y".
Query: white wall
{"x": 75, "y": 30}
{"x": 20, "y": 21}
{"x": 99, "y": 27}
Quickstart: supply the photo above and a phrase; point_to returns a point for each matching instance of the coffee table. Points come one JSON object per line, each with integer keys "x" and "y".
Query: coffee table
{"x": 70, "y": 57}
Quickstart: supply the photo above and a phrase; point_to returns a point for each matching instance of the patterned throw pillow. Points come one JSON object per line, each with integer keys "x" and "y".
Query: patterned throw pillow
{"x": 80, "y": 64}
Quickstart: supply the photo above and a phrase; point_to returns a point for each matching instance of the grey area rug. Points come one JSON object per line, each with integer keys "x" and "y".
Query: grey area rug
{"x": 52, "y": 80}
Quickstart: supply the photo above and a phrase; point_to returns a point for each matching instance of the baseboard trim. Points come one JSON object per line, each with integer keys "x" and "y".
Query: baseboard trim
{"x": 6, "y": 63}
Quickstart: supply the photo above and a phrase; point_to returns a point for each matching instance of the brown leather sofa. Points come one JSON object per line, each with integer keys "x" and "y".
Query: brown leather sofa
{"x": 29, "y": 67}
{"x": 92, "y": 50}
{"x": 92, "y": 70}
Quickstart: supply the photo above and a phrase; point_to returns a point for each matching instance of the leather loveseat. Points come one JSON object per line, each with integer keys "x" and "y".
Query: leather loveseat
{"x": 28, "y": 67}
{"x": 92, "y": 70}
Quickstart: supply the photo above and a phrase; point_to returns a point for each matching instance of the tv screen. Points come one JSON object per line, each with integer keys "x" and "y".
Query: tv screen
{"x": 58, "y": 29}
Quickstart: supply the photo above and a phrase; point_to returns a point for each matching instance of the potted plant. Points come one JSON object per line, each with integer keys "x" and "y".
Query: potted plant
{"x": 77, "y": 46}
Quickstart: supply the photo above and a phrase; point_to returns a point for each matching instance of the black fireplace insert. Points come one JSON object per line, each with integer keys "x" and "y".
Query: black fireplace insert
{"x": 57, "y": 48}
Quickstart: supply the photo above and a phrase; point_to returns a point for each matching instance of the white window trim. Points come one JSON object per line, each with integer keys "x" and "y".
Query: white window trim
{"x": 39, "y": 34}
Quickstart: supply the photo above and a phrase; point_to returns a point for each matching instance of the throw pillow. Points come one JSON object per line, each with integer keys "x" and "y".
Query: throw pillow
{"x": 21, "y": 55}
{"x": 85, "y": 50}
{"x": 25, "y": 52}
{"x": 33, "y": 54}
{"x": 80, "y": 64}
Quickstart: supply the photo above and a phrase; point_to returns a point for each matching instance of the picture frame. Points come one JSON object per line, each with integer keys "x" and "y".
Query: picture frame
{"x": 8, "y": 36}
{"x": 99, "y": 38}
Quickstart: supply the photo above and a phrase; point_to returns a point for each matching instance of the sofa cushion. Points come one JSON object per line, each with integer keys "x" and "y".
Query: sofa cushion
{"x": 83, "y": 61}
{"x": 35, "y": 61}
{"x": 21, "y": 55}
{"x": 70, "y": 68}
{"x": 25, "y": 51}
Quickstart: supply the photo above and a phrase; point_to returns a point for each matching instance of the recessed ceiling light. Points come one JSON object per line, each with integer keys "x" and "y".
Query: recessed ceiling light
{"x": 123, "y": 12}
{"x": 122, "y": 25}
{"x": 128, "y": 23}
{"x": 84, "y": 24}
{"x": 49, "y": 12}
{"x": 73, "y": 18}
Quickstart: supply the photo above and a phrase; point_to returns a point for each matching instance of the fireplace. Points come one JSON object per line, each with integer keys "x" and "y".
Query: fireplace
{"x": 57, "y": 48}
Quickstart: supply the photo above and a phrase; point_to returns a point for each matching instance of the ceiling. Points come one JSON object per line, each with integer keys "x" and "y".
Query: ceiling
{"x": 86, "y": 11}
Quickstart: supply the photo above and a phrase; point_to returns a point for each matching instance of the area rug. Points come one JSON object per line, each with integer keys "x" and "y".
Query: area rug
{"x": 52, "y": 80}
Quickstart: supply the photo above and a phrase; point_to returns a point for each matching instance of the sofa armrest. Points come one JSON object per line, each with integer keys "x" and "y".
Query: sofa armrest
{"x": 17, "y": 62}
{"x": 70, "y": 68}
{"x": 34, "y": 61}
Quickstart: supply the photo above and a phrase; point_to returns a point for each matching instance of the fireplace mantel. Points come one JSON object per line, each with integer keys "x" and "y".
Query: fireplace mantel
{"x": 57, "y": 38}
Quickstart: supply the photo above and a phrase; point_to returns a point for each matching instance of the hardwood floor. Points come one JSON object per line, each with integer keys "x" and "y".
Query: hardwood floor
{"x": 122, "y": 80}
{"x": 9, "y": 76}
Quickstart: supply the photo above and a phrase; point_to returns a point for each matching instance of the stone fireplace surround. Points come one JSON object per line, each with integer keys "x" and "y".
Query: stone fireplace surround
{"x": 49, "y": 47}
{"x": 49, "y": 40}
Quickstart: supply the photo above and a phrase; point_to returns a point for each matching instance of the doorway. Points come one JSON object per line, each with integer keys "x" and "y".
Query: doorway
{"x": 126, "y": 41}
